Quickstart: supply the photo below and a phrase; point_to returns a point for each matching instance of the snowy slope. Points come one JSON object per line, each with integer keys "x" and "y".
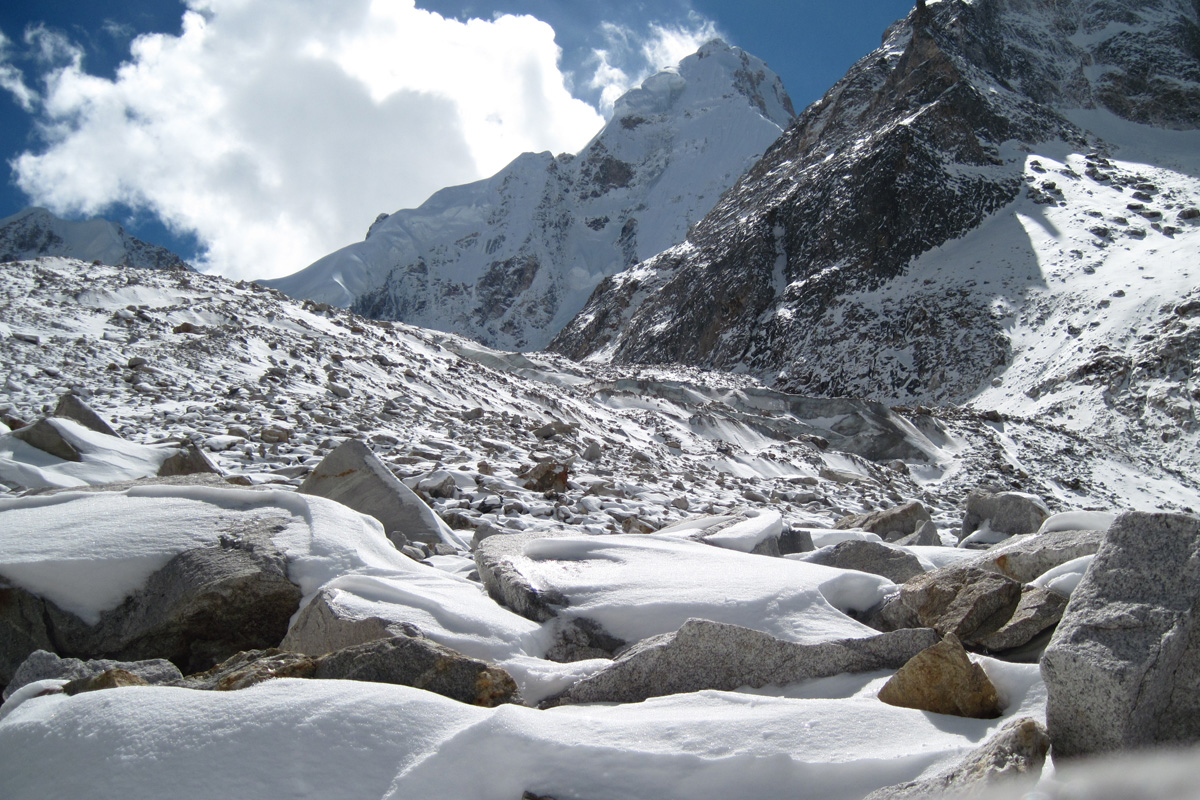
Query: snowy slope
{"x": 508, "y": 260}
{"x": 36, "y": 232}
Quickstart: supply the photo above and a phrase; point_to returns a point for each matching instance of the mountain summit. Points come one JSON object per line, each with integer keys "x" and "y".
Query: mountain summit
{"x": 998, "y": 208}
{"x": 35, "y": 232}
{"x": 510, "y": 259}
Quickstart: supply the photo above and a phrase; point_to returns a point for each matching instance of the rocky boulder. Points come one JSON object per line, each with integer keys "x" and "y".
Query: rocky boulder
{"x": 712, "y": 655}
{"x": 1122, "y": 669}
{"x": 944, "y": 680}
{"x": 878, "y": 559}
{"x": 1027, "y": 557}
{"x": 249, "y": 667}
{"x": 322, "y": 627}
{"x": 71, "y": 406}
{"x": 1009, "y": 513}
{"x": 891, "y": 523}
{"x": 42, "y": 664}
{"x": 424, "y": 664}
{"x": 965, "y": 601}
{"x": 1017, "y": 751}
{"x": 1038, "y": 611}
{"x": 352, "y": 475}
{"x": 498, "y": 559}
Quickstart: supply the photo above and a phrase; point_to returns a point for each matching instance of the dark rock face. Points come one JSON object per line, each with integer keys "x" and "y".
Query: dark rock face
{"x": 900, "y": 156}
{"x": 36, "y": 232}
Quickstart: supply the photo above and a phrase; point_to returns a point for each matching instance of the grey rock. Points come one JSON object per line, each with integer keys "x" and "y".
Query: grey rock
{"x": 419, "y": 662}
{"x": 71, "y": 407}
{"x": 1026, "y": 557}
{"x": 890, "y": 523}
{"x": 42, "y": 664}
{"x": 323, "y": 626}
{"x": 190, "y": 460}
{"x": 580, "y": 638}
{"x": 23, "y": 629}
{"x": 926, "y": 535}
{"x": 498, "y": 559}
{"x": 965, "y": 601}
{"x": 1037, "y": 611}
{"x": 713, "y": 655}
{"x": 873, "y": 557}
{"x": 1016, "y": 752}
{"x": 353, "y": 476}
{"x": 206, "y": 603}
{"x": 1122, "y": 669}
{"x": 795, "y": 540}
{"x": 943, "y": 679}
{"x": 592, "y": 452}
{"x": 45, "y": 436}
{"x": 1004, "y": 512}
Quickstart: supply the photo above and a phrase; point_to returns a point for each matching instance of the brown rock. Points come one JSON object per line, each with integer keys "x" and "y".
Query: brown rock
{"x": 891, "y": 523}
{"x": 1037, "y": 611}
{"x": 944, "y": 680}
{"x": 111, "y": 679}
{"x": 968, "y": 602}
{"x": 546, "y": 476}
{"x": 46, "y": 437}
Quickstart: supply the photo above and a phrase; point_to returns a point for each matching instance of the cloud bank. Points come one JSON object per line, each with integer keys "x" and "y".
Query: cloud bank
{"x": 276, "y": 131}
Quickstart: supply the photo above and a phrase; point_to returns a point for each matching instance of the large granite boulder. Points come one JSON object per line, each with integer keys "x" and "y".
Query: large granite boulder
{"x": 944, "y": 680}
{"x": 890, "y": 523}
{"x": 1003, "y": 512}
{"x": 1016, "y": 752}
{"x": 1038, "y": 611}
{"x": 713, "y": 655}
{"x": 1123, "y": 668}
{"x": 322, "y": 627}
{"x": 354, "y": 476}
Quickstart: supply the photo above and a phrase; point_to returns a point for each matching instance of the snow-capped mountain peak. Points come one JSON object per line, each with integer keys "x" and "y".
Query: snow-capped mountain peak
{"x": 36, "y": 232}
{"x": 510, "y": 259}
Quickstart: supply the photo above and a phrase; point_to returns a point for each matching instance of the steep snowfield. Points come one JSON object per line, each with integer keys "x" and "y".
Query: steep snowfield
{"x": 36, "y": 232}
{"x": 509, "y": 260}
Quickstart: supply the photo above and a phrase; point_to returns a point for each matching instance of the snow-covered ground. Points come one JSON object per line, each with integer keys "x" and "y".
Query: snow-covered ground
{"x": 267, "y": 386}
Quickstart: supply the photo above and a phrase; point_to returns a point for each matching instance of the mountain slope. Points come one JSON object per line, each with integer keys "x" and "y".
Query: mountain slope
{"x": 36, "y": 232}
{"x": 1019, "y": 148}
{"x": 509, "y": 260}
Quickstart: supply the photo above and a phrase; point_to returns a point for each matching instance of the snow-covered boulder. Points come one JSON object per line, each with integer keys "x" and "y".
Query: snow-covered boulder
{"x": 713, "y": 655}
{"x": 1123, "y": 666}
{"x": 188, "y": 573}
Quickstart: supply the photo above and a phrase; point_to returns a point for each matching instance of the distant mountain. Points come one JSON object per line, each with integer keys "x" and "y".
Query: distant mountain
{"x": 36, "y": 232}
{"x": 999, "y": 207}
{"x": 509, "y": 260}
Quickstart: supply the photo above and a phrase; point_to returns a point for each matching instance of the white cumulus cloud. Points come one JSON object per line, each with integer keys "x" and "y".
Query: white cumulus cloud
{"x": 276, "y": 131}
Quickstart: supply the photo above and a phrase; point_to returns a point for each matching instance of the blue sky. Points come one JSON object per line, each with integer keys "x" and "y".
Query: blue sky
{"x": 254, "y": 136}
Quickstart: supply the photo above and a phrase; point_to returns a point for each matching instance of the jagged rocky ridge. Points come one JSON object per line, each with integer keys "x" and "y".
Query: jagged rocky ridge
{"x": 972, "y": 193}
{"x": 36, "y": 232}
{"x": 509, "y": 260}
